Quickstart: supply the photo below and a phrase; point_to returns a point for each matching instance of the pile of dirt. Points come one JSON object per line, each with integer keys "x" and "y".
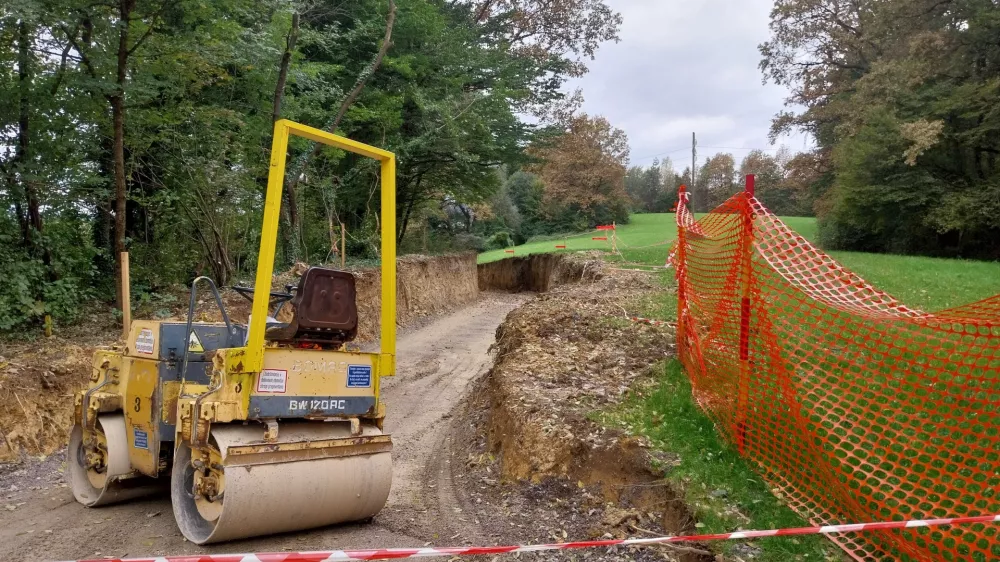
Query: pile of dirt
{"x": 561, "y": 358}
{"x": 38, "y": 378}
{"x": 568, "y": 353}
{"x": 37, "y": 382}
{"x": 425, "y": 286}
{"x": 537, "y": 273}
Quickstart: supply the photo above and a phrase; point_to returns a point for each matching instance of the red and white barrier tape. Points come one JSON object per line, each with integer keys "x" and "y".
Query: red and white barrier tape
{"x": 396, "y": 553}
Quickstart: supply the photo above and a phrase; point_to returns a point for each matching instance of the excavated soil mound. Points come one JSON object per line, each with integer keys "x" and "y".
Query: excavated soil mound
{"x": 425, "y": 286}
{"x": 560, "y": 358}
{"x": 38, "y": 379}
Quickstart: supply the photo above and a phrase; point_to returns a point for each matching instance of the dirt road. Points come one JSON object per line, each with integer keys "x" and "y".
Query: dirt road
{"x": 437, "y": 364}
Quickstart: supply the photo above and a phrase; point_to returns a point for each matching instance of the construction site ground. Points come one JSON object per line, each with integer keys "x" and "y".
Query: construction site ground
{"x": 484, "y": 453}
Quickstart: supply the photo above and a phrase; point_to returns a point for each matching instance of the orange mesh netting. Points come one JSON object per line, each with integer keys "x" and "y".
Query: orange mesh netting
{"x": 857, "y": 407}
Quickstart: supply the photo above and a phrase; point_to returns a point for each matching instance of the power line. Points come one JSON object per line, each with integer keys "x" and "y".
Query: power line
{"x": 658, "y": 154}
{"x": 769, "y": 149}
{"x": 742, "y": 148}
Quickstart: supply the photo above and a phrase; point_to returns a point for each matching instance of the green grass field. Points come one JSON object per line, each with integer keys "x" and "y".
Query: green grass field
{"x": 643, "y": 230}
{"x": 920, "y": 282}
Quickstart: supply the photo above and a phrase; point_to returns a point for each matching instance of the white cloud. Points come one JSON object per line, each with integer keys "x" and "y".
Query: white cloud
{"x": 683, "y": 66}
{"x": 672, "y": 133}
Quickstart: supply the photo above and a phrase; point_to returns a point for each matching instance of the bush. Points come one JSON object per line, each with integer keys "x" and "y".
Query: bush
{"x": 500, "y": 240}
{"x": 465, "y": 241}
{"x": 27, "y": 294}
{"x": 31, "y": 289}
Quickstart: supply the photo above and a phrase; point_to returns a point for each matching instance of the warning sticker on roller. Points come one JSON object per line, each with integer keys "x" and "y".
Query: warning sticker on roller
{"x": 359, "y": 376}
{"x": 140, "y": 439}
{"x": 194, "y": 344}
{"x": 272, "y": 380}
{"x": 144, "y": 341}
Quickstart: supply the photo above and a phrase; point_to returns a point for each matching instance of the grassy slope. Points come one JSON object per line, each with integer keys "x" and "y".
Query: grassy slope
{"x": 712, "y": 476}
{"x": 643, "y": 229}
{"x": 721, "y": 487}
{"x": 926, "y": 283}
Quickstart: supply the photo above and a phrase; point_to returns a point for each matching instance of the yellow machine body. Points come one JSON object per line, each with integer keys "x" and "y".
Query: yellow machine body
{"x": 257, "y": 433}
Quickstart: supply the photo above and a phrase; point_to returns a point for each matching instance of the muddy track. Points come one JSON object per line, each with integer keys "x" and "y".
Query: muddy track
{"x": 438, "y": 363}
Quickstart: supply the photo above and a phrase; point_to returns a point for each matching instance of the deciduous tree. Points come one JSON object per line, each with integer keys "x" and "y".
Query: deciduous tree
{"x": 716, "y": 182}
{"x": 900, "y": 97}
{"x": 583, "y": 171}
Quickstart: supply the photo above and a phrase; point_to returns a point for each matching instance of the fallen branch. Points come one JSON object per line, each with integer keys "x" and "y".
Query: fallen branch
{"x": 674, "y": 547}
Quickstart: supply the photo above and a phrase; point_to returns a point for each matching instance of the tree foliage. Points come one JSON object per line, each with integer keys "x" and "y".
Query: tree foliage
{"x": 900, "y": 96}
{"x": 145, "y": 125}
{"x": 784, "y": 183}
{"x": 653, "y": 189}
{"x": 716, "y": 181}
{"x": 583, "y": 172}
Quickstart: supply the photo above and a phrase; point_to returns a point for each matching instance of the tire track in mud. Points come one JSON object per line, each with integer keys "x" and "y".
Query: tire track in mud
{"x": 437, "y": 365}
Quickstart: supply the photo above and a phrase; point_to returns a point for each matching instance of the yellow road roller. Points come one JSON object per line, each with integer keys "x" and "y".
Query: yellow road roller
{"x": 260, "y": 428}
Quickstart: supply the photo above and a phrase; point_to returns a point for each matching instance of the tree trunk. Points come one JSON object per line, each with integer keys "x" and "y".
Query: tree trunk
{"x": 32, "y": 221}
{"x": 117, "y": 101}
{"x": 292, "y": 188}
{"x": 286, "y": 61}
{"x": 289, "y": 211}
{"x": 405, "y": 219}
{"x": 22, "y": 220}
{"x": 292, "y": 232}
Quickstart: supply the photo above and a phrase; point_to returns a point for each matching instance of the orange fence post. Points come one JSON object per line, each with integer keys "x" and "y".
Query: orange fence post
{"x": 746, "y": 258}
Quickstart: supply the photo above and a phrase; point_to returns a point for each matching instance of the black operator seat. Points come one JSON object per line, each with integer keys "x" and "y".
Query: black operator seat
{"x": 324, "y": 310}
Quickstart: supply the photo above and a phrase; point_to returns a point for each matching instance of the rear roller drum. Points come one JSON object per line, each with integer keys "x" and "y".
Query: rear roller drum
{"x": 217, "y": 499}
{"x": 99, "y": 468}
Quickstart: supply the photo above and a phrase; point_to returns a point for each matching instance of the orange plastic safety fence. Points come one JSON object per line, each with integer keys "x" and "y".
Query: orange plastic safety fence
{"x": 855, "y": 406}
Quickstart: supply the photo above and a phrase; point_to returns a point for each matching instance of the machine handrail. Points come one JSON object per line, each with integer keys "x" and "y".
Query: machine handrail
{"x": 189, "y": 329}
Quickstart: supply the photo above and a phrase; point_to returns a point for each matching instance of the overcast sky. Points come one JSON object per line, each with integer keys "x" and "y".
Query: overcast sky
{"x": 683, "y": 66}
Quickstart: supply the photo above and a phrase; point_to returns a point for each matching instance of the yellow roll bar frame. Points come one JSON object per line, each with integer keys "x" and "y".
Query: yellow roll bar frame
{"x": 283, "y": 128}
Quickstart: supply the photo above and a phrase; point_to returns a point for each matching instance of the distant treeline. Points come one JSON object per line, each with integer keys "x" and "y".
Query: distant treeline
{"x": 784, "y": 183}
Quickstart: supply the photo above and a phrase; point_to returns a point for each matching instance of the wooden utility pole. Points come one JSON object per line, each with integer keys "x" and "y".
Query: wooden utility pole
{"x": 126, "y": 293}
{"x": 694, "y": 164}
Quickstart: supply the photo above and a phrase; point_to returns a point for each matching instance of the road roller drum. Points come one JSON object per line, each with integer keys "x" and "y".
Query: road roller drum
{"x": 99, "y": 468}
{"x": 264, "y": 490}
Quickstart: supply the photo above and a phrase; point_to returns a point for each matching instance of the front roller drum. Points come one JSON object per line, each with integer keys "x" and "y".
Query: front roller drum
{"x": 99, "y": 467}
{"x": 241, "y": 486}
